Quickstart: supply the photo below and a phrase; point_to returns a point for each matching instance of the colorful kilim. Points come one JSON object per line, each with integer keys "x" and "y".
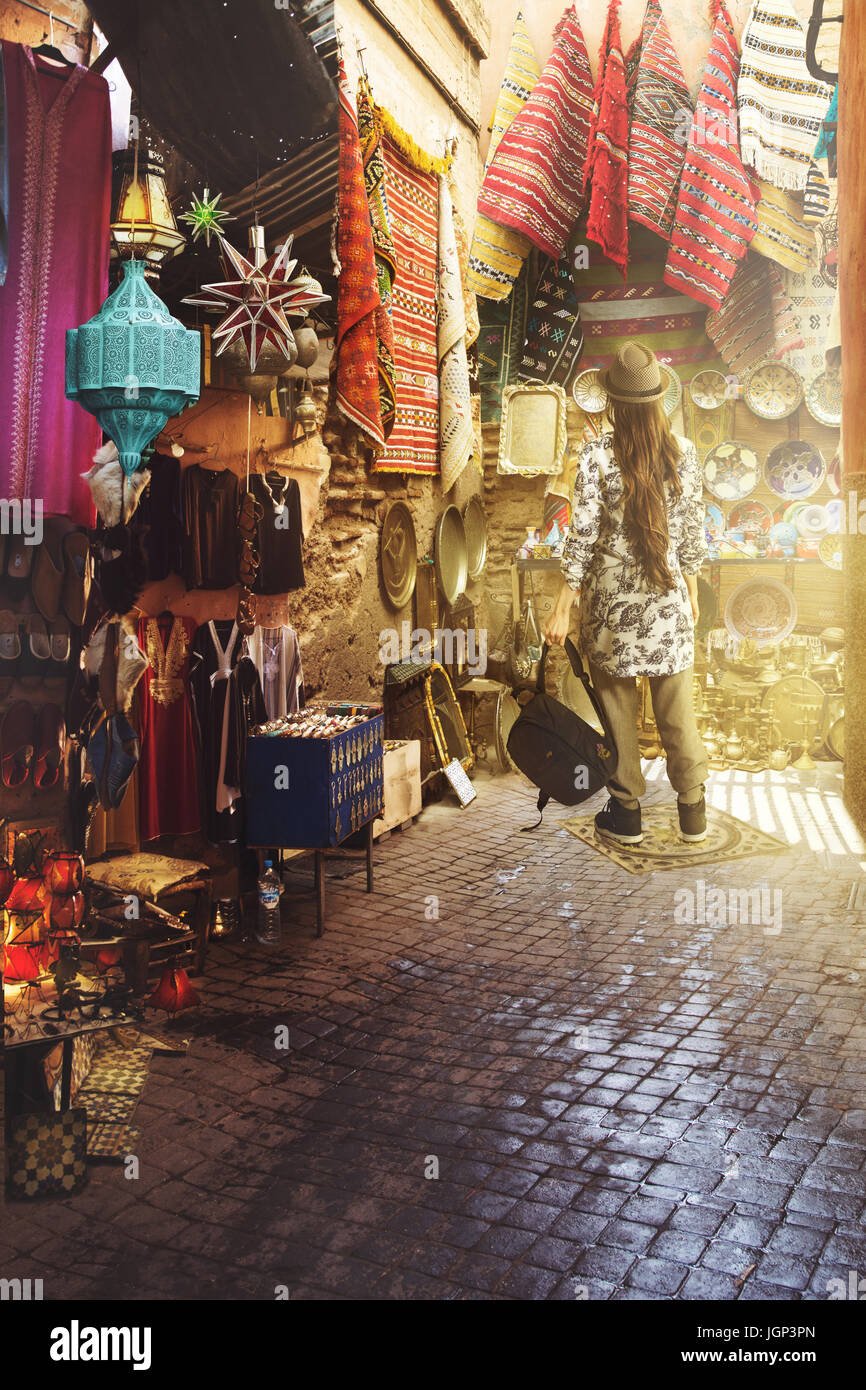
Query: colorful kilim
{"x": 456, "y": 439}
{"x": 813, "y": 298}
{"x": 789, "y": 337}
{"x": 500, "y": 344}
{"x": 715, "y": 217}
{"x": 357, "y": 375}
{"x": 386, "y": 257}
{"x": 470, "y": 303}
{"x": 497, "y": 254}
{"x": 781, "y": 105}
{"x": 661, "y": 117}
{"x": 745, "y": 329}
{"x": 413, "y": 205}
{"x": 535, "y": 182}
{"x": 816, "y": 196}
{"x": 554, "y": 336}
{"x": 606, "y": 175}
{"x": 644, "y": 307}
{"x": 782, "y": 235}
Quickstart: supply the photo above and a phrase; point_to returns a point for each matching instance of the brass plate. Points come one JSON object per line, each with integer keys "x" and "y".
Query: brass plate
{"x": 426, "y": 598}
{"x": 398, "y": 554}
{"x": 532, "y": 438}
{"x": 475, "y": 525}
{"x": 452, "y": 558}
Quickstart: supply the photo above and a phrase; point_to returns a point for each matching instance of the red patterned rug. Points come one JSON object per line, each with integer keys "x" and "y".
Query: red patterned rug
{"x": 413, "y": 205}
{"x": 535, "y": 183}
{"x": 357, "y": 375}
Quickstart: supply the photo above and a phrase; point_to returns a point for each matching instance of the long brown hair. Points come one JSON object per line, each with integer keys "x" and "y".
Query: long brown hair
{"x": 647, "y": 455}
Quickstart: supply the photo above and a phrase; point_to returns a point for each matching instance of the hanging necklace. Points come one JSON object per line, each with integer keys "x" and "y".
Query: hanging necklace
{"x": 278, "y": 506}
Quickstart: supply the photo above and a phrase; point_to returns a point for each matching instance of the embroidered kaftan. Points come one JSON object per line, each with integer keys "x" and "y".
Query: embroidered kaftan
{"x": 59, "y": 170}
{"x": 626, "y": 627}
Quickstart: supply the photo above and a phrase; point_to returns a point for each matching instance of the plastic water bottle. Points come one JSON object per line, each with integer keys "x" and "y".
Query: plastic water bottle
{"x": 268, "y": 929}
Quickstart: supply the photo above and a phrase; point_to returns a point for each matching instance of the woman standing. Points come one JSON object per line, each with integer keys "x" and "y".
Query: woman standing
{"x": 634, "y": 550}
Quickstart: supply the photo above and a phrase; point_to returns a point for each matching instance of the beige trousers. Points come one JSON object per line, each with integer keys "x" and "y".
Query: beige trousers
{"x": 674, "y": 710}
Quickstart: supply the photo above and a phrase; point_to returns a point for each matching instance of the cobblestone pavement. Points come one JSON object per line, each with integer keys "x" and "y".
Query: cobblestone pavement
{"x": 620, "y": 1107}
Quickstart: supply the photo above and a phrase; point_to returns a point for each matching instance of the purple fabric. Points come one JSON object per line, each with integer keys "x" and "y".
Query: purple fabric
{"x": 59, "y": 207}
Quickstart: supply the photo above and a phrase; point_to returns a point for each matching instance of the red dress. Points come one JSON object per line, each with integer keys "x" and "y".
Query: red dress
{"x": 59, "y": 208}
{"x": 168, "y": 768}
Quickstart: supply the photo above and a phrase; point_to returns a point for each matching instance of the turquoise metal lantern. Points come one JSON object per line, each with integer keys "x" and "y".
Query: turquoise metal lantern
{"x": 133, "y": 366}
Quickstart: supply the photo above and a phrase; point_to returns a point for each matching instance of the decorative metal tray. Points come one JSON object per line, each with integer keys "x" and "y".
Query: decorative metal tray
{"x": 532, "y": 437}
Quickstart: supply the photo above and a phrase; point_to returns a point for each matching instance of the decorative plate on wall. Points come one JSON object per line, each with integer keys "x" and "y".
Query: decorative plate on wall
{"x": 589, "y": 393}
{"x": 674, "y": 393}
{"x": 824, "y": 398}
{"x": 830, "y": 551}
{"x": 750, "y": 515}
{"x": 731, "y": 471}
{"x": 773, "y": 391}
{"x": 761, "y": 611}
{"x": 812, "y": 521}
{"x": 794, "y": 469}
{"x": 398, "y": 554}
{"x": 834, "y": 474}
{"x": 835, "y": 512}
{"x": 708, "y": 389}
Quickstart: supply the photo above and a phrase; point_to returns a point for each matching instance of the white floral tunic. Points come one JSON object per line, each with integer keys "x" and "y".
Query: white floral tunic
{"x": 627, "y": 628}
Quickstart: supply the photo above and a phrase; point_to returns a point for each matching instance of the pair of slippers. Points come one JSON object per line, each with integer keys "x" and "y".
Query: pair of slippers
{"x": 29, "y": 646}
{"x": 59, "y": 570}
{"x": 31, "y": 741}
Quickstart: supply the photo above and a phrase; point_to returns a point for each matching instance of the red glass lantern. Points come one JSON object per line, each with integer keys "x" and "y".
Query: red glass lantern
{"x": 27, "y": 894}
{"x": 174, "y": 992}
{"x": 65, "y": 913}
{"x": 26, "y": 952}
{"x": 63, "y": 872}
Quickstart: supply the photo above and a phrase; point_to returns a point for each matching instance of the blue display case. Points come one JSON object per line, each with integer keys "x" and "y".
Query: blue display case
{"x": 312, "y": 793}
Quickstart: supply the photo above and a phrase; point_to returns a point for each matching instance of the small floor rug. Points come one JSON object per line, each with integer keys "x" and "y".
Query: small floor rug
{"x": 111, "y": 1140}
{"x": 662, "y": 848}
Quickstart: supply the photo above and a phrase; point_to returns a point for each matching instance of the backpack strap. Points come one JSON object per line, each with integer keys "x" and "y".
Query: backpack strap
{"x": 582, "y": 674}
{"x": 543, "y": 798}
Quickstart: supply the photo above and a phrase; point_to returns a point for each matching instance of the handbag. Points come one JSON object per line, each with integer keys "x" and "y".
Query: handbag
{"x": 566, "y": 758}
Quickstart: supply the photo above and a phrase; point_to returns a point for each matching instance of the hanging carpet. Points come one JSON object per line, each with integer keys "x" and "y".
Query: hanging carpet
{"x": 535, "y": 183}
{"x": 413, "y": 446}
{"x": 497, "y": 254}
{"x": 781, "y": 234}
{"x": 356, "y": 369}
{"x": 456, "y": 437}
{"x": 554, "y": 335}
{"x": 660, "y": 121}
{"x": 745, "y": 329}
{"x": 500, "y": 346}
{"x": 606, "y": 174}
{"x": 715, "y": 215}
{"x": 781, "y": 105}
{"x": 385, "y": 256}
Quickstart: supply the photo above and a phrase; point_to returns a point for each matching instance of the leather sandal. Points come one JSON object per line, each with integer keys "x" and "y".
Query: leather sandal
{"x": 16, "y": 744}
{"x": 19, "y": 558}
{"x": 49, "y": 747}
{"x": 61, "y": 645}
{"x": 46, "y": 584}
{"x": 77, "y": 576}
{"x": 10, "y": 643}
{"x": 36, "y": 649}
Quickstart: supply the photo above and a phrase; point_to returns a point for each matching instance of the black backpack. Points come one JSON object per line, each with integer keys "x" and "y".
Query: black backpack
{"x": 557, "y": 750}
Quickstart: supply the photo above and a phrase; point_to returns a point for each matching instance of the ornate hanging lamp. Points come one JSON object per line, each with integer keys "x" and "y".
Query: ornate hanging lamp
{"x": 133, "y": 366}
{"x": 143, "y": 224}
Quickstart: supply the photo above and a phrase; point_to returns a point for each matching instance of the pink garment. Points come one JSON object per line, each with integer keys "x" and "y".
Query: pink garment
{"x": 59, "y": 209}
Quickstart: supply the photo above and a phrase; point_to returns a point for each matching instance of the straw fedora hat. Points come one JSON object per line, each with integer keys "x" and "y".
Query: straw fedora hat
{"x": 635, "y": 375}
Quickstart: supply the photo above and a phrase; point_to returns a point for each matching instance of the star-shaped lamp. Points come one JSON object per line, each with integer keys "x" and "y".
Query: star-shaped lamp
{"x": 206, "y": 218}
{"x": 258, "y": 299}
